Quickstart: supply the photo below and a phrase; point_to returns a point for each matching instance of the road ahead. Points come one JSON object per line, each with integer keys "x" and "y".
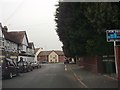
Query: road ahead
{"x": 49, "y": 76}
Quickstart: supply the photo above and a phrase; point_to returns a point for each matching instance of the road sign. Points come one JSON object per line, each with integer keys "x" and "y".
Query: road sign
{"x": 113, "y": 35}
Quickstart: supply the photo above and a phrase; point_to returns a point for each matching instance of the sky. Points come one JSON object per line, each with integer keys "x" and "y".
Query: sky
{"x": 36, "y": 17}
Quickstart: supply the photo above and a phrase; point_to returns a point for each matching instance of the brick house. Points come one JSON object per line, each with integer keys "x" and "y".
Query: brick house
{"x": 51, "y": 56}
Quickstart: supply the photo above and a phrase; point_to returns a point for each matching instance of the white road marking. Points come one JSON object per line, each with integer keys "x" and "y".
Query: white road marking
{"x": 65, "y": 68}
{"x": 78, "y": 78}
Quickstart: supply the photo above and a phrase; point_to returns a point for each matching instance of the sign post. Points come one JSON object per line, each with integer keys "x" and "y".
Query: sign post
{"x": 114, "y": 36}
{"x": 115, "y": 58}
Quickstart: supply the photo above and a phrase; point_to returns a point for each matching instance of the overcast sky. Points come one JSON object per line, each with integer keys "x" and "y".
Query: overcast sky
{"x": 36, "y": 17}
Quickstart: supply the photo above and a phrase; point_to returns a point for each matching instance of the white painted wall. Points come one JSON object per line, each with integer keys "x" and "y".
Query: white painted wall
{"x": 36, "y": 54}
{"x": 10, "y": 46}
{"x": 0, "y": 36}
{"x": 24, "y": 44}
{"x": 26, "y": 58}
{"x": 0, "y": 32}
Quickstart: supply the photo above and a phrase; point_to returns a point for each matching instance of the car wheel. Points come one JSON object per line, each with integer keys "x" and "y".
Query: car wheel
{"x": 10, "y": 75}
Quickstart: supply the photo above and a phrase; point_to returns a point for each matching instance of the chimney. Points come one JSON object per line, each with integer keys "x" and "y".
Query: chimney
{"x": 5, "y": 28}
{"x": 0, "y": 24}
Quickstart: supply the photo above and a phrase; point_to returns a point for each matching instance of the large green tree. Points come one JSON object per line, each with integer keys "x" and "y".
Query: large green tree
{"x": 82, "y": 27}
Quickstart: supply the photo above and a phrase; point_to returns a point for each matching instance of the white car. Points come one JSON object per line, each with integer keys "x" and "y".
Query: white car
{"x": 36, "y": 64}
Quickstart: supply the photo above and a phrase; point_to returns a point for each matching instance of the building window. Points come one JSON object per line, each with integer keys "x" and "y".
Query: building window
{"x": 55, "y": 55}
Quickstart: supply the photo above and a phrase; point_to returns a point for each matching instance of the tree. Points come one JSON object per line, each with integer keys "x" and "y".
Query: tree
{"x": 81, "y": 27}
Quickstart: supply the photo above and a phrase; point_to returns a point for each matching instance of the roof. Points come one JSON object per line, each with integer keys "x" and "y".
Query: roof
{"x": 16, "y": 36}
{"x": 36, "y": 49}
{"x": 30, "y": 45}
{"x": 45, "y": 53}
{"x": 60, "y": 52}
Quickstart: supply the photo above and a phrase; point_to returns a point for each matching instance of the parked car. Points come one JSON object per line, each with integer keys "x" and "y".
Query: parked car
{"x": 1, "y": 68}
{"x": 30, "y": 68}
{"x": 24, "y": 66}
{"x": 66, "y": 62}
{"x": 9, "y": 68}
{"x": 36, "y": 64}
{"x": 44, "y": 61}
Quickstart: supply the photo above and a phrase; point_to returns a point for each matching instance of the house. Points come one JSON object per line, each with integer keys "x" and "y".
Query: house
{"x": 9, "y": 45}
{"x": 1, "y": 42}
{"x": 25, "y": 49}
{"x": 51, "y": 56}
{"x": 30, "y": 51}
{"x": 16, "y": 45}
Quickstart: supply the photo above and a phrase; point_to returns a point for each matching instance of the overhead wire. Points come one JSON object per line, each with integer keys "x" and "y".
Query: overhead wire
{"x": 14, "y": 12}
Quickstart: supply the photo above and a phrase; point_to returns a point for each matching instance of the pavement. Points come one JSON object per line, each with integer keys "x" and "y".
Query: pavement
{"x": 92, "y": 80}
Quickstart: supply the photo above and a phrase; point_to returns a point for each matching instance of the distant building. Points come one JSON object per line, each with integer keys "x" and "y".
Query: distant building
{"x": 51, "y": 56}
{"x": 37, "y": 51}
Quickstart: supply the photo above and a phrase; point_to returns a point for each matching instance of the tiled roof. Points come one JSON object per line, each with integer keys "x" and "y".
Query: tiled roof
{"x": 60, "y": 52}
{"x": 36, "y": 49}
{"x": 17, "y": 36}
{"x": 45, "y": 53}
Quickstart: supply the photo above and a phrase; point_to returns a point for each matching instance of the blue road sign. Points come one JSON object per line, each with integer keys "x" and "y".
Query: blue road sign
{"x": 113, "y": 35}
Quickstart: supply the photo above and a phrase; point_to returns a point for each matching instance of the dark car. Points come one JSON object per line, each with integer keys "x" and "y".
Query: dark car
{"x": 30, "y": 68}
{"x": 66, "y": 62}
{"x": 9, "y": 68}
{"x": 24, "y": 66}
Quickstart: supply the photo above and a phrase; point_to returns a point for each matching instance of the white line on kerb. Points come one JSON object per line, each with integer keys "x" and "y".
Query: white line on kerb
{"x": 78, "y": 78}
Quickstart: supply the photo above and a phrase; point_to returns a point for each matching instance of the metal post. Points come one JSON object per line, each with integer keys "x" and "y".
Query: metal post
{"x": 115, "y": 58}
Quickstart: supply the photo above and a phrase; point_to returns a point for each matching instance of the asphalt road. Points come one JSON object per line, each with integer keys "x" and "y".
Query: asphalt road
{"x": 49, "y": 76}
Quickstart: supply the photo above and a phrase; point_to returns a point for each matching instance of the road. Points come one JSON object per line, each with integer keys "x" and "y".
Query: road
{"x": 49, "y": 76}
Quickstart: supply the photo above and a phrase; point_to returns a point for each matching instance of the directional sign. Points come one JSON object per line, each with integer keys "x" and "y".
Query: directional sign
{"x": 113, "y": 35}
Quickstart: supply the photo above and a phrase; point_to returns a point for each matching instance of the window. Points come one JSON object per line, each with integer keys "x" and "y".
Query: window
{"x": 55, "y": 55}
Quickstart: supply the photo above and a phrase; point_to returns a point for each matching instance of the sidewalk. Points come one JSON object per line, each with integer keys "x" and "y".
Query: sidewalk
{"x": 92, "y": 80}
